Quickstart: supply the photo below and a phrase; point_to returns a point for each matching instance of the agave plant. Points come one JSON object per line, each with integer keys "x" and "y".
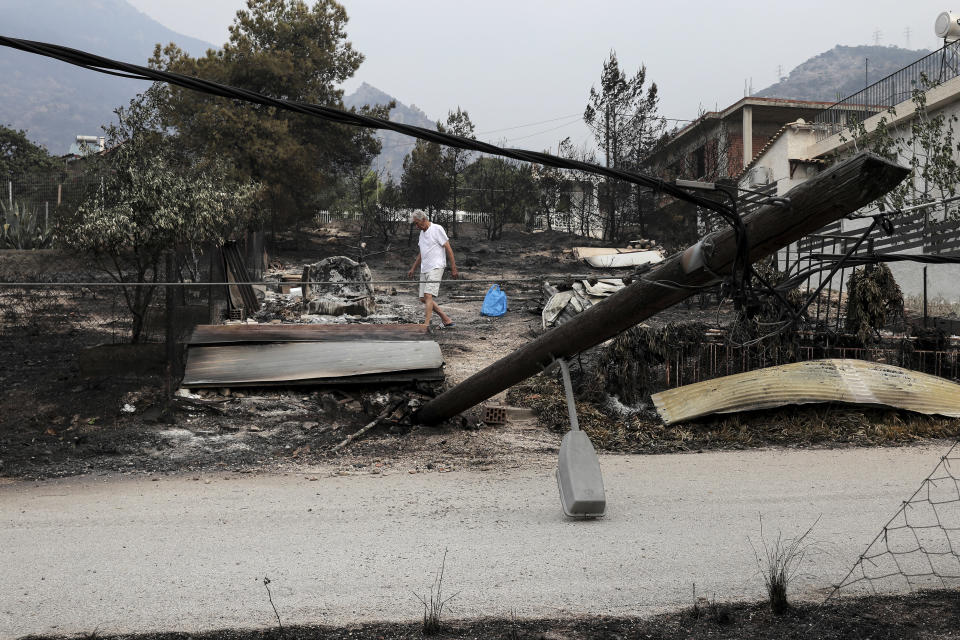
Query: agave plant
{"x": 24, "y": 228}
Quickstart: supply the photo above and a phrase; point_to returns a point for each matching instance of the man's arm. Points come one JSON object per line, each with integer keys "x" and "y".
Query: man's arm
{"x": 414, "y": 267}
{"x": 453, "y": 263}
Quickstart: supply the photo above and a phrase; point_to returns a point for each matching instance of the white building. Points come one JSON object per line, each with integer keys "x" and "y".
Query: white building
{"x": 801, "y": 149}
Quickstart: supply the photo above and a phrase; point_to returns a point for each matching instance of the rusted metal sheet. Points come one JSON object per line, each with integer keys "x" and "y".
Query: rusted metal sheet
{"x": 814, "y": 381}
{"x": 240, "y": 333}
{"x": 309, "y": 362}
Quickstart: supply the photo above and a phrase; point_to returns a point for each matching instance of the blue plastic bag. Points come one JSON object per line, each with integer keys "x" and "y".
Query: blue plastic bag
{"x": 495, "y": 302}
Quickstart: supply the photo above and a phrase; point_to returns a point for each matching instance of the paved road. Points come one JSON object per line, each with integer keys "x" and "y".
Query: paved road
{"x": 176, "y": 554}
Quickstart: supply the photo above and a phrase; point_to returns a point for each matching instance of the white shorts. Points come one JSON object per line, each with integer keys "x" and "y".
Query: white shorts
{"x": 430, "y": 282}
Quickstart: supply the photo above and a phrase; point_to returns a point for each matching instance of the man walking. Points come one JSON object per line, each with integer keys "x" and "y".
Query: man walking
{"x": 434, "y": 253}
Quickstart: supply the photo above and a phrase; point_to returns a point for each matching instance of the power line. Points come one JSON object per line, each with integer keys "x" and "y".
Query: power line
{"x": 531, "y": 135}
{"x": 294, "y": 283}
{"x": 532, "y": 124}
{"x": 108, "y": 66}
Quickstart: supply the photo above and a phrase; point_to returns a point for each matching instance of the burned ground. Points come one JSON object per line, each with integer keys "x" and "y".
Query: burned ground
{"x": 57, "y": 418}
{"x": 927, "y": 615}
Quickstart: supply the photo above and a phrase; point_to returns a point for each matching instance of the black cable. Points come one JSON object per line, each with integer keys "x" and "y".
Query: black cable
{"x": 114, "y": 67}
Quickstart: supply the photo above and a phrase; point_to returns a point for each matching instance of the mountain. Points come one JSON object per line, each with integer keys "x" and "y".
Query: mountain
{"x": 840, "y": 72}
{"x": 396, "y": 146}
{"x": 55, "y": 101}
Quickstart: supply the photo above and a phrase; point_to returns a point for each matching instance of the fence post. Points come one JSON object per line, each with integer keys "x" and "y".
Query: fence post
{"x": 171, "y": 337}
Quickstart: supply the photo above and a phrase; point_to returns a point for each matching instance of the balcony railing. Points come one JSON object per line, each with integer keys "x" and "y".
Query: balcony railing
{"x": 932, "y": 69}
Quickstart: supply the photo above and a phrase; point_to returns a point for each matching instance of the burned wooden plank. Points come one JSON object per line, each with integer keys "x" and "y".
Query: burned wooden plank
{"x": 241, "y": 333}
{"x": 236, "y": 271}
{"x": 276, "y": 363}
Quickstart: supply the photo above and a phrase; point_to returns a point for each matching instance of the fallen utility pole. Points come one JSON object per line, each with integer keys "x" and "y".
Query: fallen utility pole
{"x": 838, "y": 191}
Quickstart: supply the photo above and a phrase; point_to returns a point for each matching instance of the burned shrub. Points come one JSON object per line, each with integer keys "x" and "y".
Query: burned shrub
{"x": 873, "y": 299}
{"x": 628, "y": 367}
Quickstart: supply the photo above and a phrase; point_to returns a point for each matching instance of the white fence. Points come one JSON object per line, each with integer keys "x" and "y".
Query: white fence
{"x": 568, "y": 223}
{"x": 563, "y": 222}
{"x": 401, "y": 215}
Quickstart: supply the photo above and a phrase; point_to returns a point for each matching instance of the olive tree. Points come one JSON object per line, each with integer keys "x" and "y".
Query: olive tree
{"x": 153, "y": 198}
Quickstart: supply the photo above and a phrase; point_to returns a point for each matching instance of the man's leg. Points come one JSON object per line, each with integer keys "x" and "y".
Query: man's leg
{"x": 428, "y": 304}
{"x": 444, "y": 317}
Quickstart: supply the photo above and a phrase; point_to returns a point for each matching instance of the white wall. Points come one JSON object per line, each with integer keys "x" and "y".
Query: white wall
{"x": 798, "y": 143}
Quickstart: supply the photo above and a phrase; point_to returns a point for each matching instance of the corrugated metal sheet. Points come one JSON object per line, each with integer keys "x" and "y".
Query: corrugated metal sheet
{"x": 835, "y": 380}
{"x": 240, "y": 333}
{"x": 310, "y": 362}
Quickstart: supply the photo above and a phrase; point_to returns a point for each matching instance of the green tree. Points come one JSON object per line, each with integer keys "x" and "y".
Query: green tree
{"x": 456, "y": 160}
{"x": 19, "y": 156}
{"x": 622, "y": 114}
{"x": 503, "y": 189}
{"x": 424, "y": 183}
{"x": 288, "y": 50}
{"x": 155, "y": 198}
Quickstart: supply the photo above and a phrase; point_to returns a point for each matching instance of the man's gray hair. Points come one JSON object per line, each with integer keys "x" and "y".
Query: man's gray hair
{"x": 417, "y": 215}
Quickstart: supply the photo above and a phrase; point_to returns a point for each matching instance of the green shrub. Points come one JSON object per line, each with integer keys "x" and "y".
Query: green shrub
{"x": 23, "y": 228}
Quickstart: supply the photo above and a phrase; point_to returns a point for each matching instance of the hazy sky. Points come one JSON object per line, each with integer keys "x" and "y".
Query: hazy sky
{"x": 523, "y": 68}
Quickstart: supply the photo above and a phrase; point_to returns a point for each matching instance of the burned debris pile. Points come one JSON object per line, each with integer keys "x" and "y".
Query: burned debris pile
{"x": 336, "y": 286}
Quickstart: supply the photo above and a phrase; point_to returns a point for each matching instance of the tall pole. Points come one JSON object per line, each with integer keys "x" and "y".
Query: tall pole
{"x": 840, "y": 190}
{"x": 606, "y": 182}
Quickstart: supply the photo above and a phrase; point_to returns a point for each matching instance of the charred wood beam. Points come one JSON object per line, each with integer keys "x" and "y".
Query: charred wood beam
{"x": 838, "y": 191}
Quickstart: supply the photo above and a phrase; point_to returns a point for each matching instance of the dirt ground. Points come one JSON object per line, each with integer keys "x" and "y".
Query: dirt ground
{"x": 58, "y": 419}
{"x": 927, "y": 616}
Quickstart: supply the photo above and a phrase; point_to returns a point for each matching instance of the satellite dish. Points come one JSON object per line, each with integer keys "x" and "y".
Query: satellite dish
{"x": 948, "y": 26}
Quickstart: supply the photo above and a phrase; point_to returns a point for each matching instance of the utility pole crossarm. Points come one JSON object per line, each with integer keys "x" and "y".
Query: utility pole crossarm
{"x": 834, "y": 193}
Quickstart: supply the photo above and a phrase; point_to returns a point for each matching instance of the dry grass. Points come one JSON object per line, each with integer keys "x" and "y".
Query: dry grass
{"x": 778, "y": 564}
{"x": 804, "y": 425}
{"x": 434, "y": 602}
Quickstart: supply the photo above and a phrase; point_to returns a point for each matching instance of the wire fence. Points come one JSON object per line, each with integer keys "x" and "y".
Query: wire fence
{"x": 51, "y": 193}
{"x": 919, "y": 547}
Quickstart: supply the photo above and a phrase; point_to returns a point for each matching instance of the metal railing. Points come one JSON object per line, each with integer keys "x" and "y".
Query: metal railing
{"x": 932, "y": 69}
{"x": 713, "y": 358}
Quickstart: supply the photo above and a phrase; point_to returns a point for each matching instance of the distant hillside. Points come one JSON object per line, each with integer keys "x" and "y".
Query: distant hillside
{"x": 840, "y": 72}
{"x": 55, "y": 101}
{"x": 396, "y": 146}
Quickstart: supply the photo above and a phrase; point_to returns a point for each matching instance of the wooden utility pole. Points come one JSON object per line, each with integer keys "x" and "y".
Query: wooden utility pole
{"x": 839, "y": 190}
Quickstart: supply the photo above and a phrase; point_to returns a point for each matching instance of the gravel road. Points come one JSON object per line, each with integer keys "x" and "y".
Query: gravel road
{"x": 189, "y": 553}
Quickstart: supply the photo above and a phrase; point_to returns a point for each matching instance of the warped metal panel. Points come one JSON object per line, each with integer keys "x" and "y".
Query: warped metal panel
{"x": 395, "y": 377}
{"x": 832, "y": 380}
{"x": 256, "y": 364}
{"x": 581, "y": 253}
{"x": 238, "y": 333}
{"x": 630, "y": 259}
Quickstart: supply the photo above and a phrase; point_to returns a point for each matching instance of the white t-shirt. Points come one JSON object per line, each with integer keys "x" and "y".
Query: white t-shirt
{"x": 432, "y": 254}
